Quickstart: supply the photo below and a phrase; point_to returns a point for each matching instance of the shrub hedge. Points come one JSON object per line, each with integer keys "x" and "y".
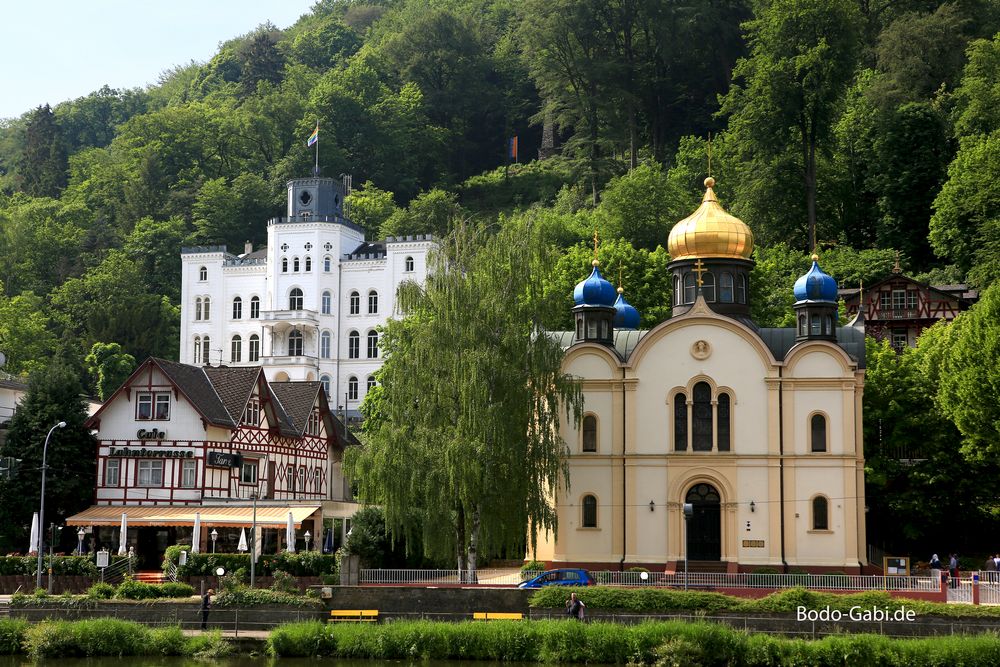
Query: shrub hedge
{"x": 82, "y": 566}
{"x": 244, "y": 596}
{"x": 642, "y": 600}
{"x": 104, "y": 637}
{"x": 662, "y": 644}
{"x": 305, "y": 564}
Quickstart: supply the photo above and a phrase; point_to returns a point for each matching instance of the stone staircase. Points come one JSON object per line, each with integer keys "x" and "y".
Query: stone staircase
{"x": 149, "y": 576}
{"x": 704, "y": 566}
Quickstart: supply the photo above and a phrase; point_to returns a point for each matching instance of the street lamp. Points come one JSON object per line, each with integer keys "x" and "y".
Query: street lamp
{"x": 41, "y": 506}
{"x": 307, "y": 536}
{"x": 79, "y": 535}
{"x": 688, "y": 513}
{"x": 214, "y": 535}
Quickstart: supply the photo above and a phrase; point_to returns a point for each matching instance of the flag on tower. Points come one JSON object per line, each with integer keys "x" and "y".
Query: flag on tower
{"x": 512, "y": 149}
{"x": 314, "y": 137}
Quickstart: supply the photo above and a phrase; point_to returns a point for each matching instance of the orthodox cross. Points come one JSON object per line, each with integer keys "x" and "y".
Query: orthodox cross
{"x": 709, "y": 153}
{"x": 699, "y": 268}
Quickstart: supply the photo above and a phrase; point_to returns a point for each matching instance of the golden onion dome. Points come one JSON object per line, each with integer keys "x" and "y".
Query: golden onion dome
{"x": 710, "y": 232}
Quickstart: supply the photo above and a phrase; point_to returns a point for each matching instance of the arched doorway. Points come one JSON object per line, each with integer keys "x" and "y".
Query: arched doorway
{"x": 704, "y": 529}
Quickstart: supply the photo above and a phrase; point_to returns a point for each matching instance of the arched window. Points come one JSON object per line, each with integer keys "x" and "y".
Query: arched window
{"x": 708, "y": 286}
{"x": 290, "y": 475}
{"x": 726, "y": 287}
{"x": 327, "y": 264}
{"x": 295, "y": 299}
{"x": 197, "y": 309}
{"x": 803, "y": 325}
{"x": 677, "y": 290}
{"x": 237, "y": 308}
{"x": 352, "y": 388}
{"x": 372, "y": 302}
{"x": 408, "y": 264}
{"x": 689, "y": 288}
{"x": 295, "y": 344}
{"x": 680, "y": 423}
{"x": 722, "y": 419}
{"x": 207, "y": 309}
{"x": 309, "y": 264}
{"x": 741, "y": 289}
{"x": 821, "y": 513}
{"x": 355, "y": 303}
{"x": 197, "y": 349}
{"x": 325, "y": 302}
{"x": 295, "y": 265}
{"x": 372, "y": 345}
{"x": 236, "y": 349}
{"x": 579, "y": 328}
{"x": 254, "y": 307}
{"x": 814, "y": 325}
{"x": 324, "y": 345}
{"x": 284, "y": 265}
{"x": 829, "y": 325}
{"x": 701, "y": 416}
{"x": 302, "y": 478}
{"x": 353, "y": 345}
{"x": 817, "y": 430}
{"x": 589, "y": 511}
{"x": 590, "y": 433}
{"x": 254, "y": 351}
{"x": 203, "y": 274}
{"x": 325, "y": 379}
{"x": 370, "y": 384}
{"x": 206, "y": 350}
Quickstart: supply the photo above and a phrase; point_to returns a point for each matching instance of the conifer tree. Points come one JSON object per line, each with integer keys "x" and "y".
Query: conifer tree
{"x": 43, "y": 164}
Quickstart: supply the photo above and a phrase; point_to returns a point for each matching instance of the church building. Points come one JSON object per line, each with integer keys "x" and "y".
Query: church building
{"x": 758, "y": 430}
{"x": 307, "y": 306}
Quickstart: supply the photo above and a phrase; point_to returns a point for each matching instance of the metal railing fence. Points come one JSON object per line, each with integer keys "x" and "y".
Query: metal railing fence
{"x": 702, "y": 580}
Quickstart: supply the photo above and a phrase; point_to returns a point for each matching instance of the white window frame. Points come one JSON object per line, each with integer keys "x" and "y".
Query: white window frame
{"x": 248, "y": 471}
{"x": 189, "y": 473}
{"x": 149, "y": 472}
{"x": 112, "y": 472}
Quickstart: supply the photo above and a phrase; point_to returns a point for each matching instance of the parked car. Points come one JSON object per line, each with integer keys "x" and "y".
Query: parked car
{"x": 562, "y": 577}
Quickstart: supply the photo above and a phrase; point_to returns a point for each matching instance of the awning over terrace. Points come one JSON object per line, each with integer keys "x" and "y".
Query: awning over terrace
{"x": 268, "y": 516}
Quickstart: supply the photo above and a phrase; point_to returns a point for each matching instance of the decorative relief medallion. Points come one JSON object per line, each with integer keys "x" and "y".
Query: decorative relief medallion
{"x": 701, "y": 350}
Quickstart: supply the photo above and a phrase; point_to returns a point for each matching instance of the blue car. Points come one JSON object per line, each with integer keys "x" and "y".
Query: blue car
{"x": 563, "y": 577}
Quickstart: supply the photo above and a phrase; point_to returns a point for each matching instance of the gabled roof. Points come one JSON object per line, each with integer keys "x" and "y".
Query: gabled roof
{"x": 193, "y": 382}
{"x": 297, "y": 400}
{"x": 234, "y": 387}
{"x": 958, "y": 292}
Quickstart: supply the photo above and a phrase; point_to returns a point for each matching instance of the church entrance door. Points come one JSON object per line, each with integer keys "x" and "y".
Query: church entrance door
{"x": 704, "y": 538}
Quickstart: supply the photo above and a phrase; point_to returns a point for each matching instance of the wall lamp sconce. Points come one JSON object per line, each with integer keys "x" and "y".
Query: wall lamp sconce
{"x": 752, "y": 506}
{"x": 652, "y": 505}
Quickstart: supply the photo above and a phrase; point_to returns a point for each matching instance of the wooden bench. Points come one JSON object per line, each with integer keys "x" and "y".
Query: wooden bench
{"x": 356, "y": 615}
{"x": 497, "y": 616}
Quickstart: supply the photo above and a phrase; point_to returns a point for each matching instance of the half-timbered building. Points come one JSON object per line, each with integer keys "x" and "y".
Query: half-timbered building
{"x": 176, "y": 441}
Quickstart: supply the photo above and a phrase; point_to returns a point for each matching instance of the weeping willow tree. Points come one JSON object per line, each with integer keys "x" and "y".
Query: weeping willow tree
{"x": 462, "y": 447}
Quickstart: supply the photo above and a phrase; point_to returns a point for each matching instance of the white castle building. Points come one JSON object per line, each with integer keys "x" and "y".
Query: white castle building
{"x": 307, "y": 306}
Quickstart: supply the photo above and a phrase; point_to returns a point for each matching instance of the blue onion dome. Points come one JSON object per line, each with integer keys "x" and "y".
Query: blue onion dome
{"x": 816, "y": 285}
{"x": 626, "y": 316}
{"x": 595, "y": 290}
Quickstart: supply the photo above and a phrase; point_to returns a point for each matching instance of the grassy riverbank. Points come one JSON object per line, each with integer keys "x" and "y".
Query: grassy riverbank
{"x": 663, "y": 644}
{"x": 104, "y": 637}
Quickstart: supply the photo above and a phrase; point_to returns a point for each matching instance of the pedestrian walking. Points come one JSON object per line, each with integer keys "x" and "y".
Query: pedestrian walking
{"x": 206, "y": 605}
{"x": 953, "y": 571}
{"x": 575, "y": 607}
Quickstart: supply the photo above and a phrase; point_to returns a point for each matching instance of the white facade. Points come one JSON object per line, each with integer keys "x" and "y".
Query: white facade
{"x": 307, "y": 306}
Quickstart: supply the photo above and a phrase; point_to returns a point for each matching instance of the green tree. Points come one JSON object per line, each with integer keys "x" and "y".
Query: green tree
{"x": 802, "y": 56}
{"x": 42, "y": 166}
{"x": 371, "y": 208}
{"x": 467, "y": 434}
{"x": 109, "y": 367}
{"x": 231, "y": 213}
{"x": 26, "y": 337}
{"x": 54, "y": 395}
{"x": 261, "y": 60}
{"x": 155, "y": 246}
{"x": 325, "y": 43}
{"x": 642, "y": 206}
{"x": 433, "y": 212}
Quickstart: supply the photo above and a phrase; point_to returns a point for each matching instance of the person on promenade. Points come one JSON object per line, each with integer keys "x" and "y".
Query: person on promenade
{"x": 953, "y": 571}
{"x": 935, "y": 563}
{"x": 206, "y": 605}
{"x": 575, "y": 607}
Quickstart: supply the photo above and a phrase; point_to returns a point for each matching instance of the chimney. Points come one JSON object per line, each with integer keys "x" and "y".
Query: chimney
{"x": 247, "y": 248}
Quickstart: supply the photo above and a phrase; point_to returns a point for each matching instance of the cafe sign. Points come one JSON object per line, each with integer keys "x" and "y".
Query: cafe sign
{"x": 152, "y": 434}
{"x": 149, "y": 453}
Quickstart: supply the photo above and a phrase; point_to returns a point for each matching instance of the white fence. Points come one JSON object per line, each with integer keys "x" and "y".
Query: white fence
{"x": 696, "y": 580}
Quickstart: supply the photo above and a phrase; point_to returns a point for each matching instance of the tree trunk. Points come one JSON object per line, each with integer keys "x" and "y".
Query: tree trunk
{"x": 460, "y": 544}
{"x": 473, "y": 547}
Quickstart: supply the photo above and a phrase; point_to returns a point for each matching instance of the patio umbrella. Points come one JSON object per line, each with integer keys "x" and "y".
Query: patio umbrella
{"x": 33, "y": 541}
{"x": 328, "y": 541}
{"x": 258, "y": 545}
{"x": 196, "y": 534}
{"x": 123, "y": 536}
{"x": 242, "y": 546}
{"x": 290, "y": 535}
